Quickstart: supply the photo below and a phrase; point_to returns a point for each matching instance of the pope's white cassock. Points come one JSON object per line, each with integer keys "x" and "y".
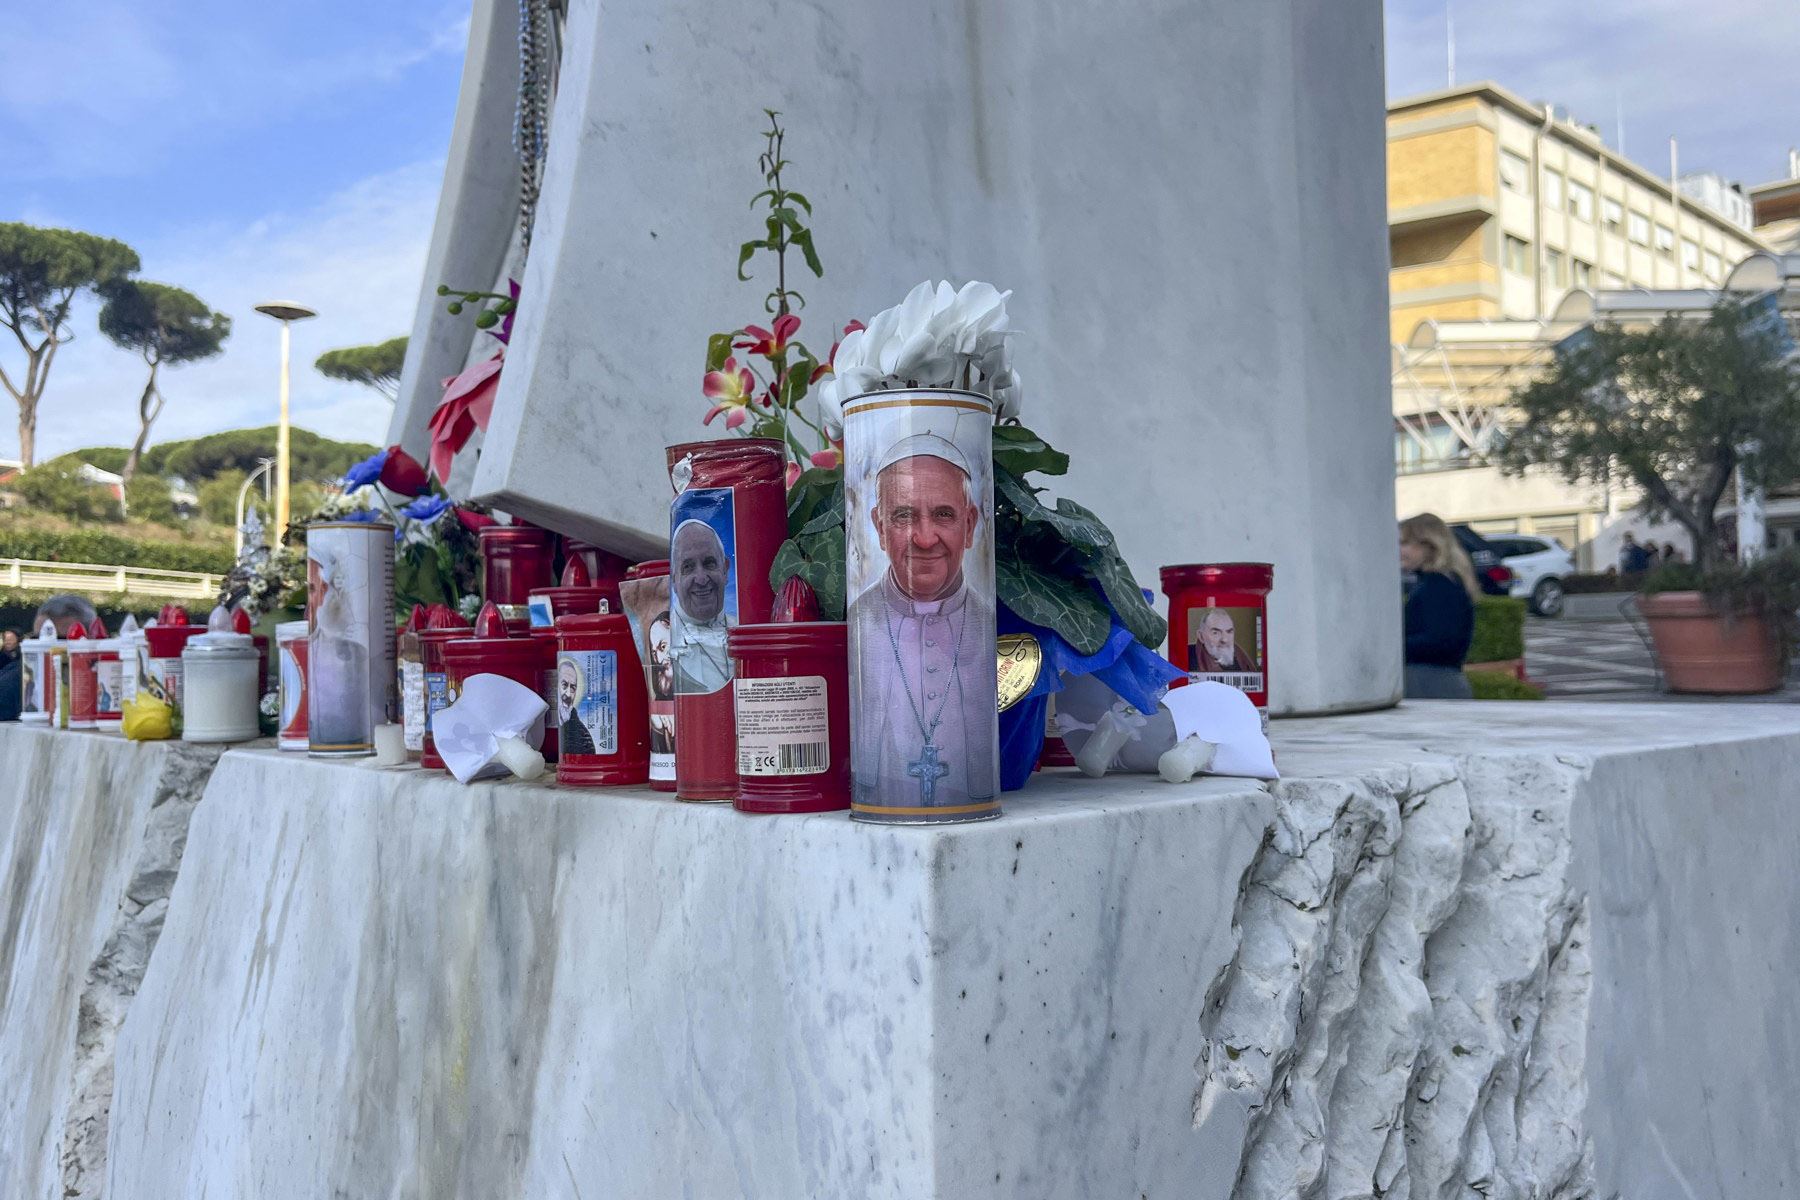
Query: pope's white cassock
{"x": 699, "y": 652}
{"x": 921, "y": 671}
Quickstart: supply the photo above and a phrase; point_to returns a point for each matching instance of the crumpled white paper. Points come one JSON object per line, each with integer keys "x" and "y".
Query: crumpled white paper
{"x": 495, "y": 726}
{"x": 937, "y": 337}
{"x": 1213, "y": 712}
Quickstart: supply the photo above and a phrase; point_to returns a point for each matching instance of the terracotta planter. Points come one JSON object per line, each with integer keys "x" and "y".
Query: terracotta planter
{"x": 1703, "y": 650}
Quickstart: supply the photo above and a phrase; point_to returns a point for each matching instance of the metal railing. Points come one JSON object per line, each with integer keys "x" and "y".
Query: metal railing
{"x": 25, "y": 573}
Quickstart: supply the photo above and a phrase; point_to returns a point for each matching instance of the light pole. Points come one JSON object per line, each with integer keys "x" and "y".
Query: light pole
{"x": 287, "y": 313}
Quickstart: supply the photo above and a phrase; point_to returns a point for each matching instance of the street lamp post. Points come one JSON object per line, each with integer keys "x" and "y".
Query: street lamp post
{"x": 287, "y": 313}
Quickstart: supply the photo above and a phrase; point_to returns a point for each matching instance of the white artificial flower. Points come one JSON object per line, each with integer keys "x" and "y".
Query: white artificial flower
{"x": 939, "y": 337}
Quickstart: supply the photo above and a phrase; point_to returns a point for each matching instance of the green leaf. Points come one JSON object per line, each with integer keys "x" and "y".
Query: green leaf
{"x": 814, "y": 488}
{"x": 829, "y": 515}
{"x": 718, "y": 349}
{"x": 1068, "y": 606}
{"x": 744, "y": 253}
{"x": 761, "y": 194}
{"x": 1073, "y": 523}
{"x": 1021, "y": 451}
{"x": 803, "y": 239}
{"x": 824, "y": 570}
{"x": 788, "y": 563}
{"x": 1122, "y": 591}
{"x": 802, "y": 201}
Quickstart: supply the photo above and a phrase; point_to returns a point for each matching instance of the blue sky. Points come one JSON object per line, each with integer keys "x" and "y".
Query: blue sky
{"x": 249, "y": 152}
{"x": 1717, "y": 75}
{"x": 255, "y": 151}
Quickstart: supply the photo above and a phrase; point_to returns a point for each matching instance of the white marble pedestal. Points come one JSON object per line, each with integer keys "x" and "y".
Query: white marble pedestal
{"x": 1508, "y": 950}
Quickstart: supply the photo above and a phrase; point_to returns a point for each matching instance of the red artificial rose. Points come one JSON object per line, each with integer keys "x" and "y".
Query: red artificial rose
{"x": 473, "y": 521}
{"x": 402, "y": 473}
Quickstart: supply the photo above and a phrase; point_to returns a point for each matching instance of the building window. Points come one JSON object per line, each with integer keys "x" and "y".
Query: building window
{"x": 1713, "y": 265}
{"x": 1581, "y": 201}
{"x": 1690, "y": 254}
{"x": 1612, "y": 279}
{"x": 1614, "y": 214}
{"x": 1639, "y": 225}
{"x": 1518, "y": 255}
{"x": 1553, "y": 267}
{"x": 1581, "y": 274}
{"x": 1515, "y": 172}
{"x": 1665, "y": 241}
{"x": 1427, "y": 444}
{"x": 1553, "y": 188}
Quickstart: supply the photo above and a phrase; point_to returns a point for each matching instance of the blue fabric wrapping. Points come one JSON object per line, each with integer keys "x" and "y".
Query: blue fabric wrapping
{"x": 1138, "y": 674}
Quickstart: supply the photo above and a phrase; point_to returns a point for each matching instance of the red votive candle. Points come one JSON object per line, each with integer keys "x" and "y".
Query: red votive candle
{"x": 516, "y": 560}
{"x": 441, "y": 627}
{"x": 578, "y": 594}
{"x": 792, "y": 699}
{"x": 546, "y": 642}
{"x": 600, "y": 709}
{"x": 645, "y": 592}
{"x": 84, "y": 661}
{"x": 601, "y": 565}
{"x": 491, "y": 650}
{"x": 727, "y": 520}
{"x": 1219, "y": 624}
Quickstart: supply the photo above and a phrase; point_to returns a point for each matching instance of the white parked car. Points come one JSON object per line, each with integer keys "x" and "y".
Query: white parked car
{"x": 1538, "y": 565}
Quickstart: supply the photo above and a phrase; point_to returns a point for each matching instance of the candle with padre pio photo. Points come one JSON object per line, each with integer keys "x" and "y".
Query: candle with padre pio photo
{"x": 919, "y": 529}
{"x": 351, "y": 683}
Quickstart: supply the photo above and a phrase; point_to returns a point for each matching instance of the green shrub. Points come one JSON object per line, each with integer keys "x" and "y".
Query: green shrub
{"x": 1498, "y": 685}
{"x": 18, "y": 607}
{"x": 111, "y": 550}
{"x": 148, "y": 499}
{"x": 218, "y": 496}
{"x": 1499, "y": 630}
{"x": 55, "y": 487}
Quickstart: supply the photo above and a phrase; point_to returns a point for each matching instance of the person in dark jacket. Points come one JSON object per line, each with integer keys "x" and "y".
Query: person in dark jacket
{"x": 10, "y": 697}
{"x": 1440, "y": 589}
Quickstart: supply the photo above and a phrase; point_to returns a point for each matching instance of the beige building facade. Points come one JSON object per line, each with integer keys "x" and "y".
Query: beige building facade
{"x": 1498, "y": 209}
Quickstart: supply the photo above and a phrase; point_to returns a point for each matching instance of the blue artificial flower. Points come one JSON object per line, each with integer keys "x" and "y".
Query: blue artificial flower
{"x": 365, "y": 472}
{"x": 361, "y": 515}
{"x": 427, "y": 508}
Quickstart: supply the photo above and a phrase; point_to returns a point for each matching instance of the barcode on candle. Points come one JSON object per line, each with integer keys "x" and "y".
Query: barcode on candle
{"x": 809, "y": 756}
{"x": 1246, "y": 681}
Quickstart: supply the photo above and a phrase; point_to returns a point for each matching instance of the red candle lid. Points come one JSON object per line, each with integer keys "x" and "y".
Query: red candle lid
{"x": 97, "y": 627}
{"x": 594, "y": 623}
{"x": 76, "y": 632}
{"x": 518, "y": 533}
{"x": 240, "y": 621}
{"x": 791, "y": 637}
{"x": 492, "y": 645}
{"x": 166, "y": 641}
{"x": 1239, "y": 576}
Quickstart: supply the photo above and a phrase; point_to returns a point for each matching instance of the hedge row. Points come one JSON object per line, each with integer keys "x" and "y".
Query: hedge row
{"x": 111, "y": 550}
{"x": 1587, "y": 583}
{"x": 18, "y": 607}
{"x": 1499, "y": 630}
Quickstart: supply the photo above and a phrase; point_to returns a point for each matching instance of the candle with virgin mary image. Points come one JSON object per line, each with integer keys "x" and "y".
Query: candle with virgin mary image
{"x": 918, "y": 519}
{"x": 351, "y": 686}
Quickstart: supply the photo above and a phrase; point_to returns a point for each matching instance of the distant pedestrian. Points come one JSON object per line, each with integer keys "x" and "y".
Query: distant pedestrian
{"x": 1440, "y": 589}
{"x": 1671, "y": 554}
{"x": 1652, "y": 555}
{"x": 10, "y": 696}
{"x": 1633, "y": 560}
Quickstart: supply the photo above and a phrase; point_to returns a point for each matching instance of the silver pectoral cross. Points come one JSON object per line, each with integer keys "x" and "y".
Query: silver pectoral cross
{"x": 927, "y": 770}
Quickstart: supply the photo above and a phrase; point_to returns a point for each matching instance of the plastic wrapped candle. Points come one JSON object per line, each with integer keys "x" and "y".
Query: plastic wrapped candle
{"x": 219, "y": 696}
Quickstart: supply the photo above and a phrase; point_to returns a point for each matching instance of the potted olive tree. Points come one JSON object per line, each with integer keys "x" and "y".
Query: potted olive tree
{"x": 1682, "y": 408}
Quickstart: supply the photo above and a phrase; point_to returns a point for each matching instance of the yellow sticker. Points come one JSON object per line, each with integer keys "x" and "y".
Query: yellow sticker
{"x": 1021, "y": 658}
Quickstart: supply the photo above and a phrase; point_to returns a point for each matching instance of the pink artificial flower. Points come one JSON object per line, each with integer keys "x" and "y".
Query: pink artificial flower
{"x": 732, "y": 388}
{"x": 793, "y": 473}
{"x": 770, "y": 343}
{"x": 827, "y": 459}
{"x": 467, "y": 405}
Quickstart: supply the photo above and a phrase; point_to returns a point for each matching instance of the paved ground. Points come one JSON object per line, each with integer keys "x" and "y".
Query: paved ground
{"x": 1606, "y": 660}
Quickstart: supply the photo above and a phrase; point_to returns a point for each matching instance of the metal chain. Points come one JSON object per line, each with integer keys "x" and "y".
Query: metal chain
{"x": 538, "y": 55}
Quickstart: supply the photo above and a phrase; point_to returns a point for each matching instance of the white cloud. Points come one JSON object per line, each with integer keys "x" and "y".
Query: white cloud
{"x": 1715, "y": 76}
{"x": 357, "y": 258}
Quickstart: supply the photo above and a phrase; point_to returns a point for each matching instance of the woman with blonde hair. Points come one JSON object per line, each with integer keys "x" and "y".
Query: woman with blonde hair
{"x": 1440, "y": 589}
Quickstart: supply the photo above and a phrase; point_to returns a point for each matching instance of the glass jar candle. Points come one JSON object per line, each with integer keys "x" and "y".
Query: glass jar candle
{"x": 441, "y": 626}
{"x": 1219, "y": 625}
{"x": 219, "y": 678}
{"x": 291, "y": 645}
{"x": 645, "y": 595}
{"x": 516, "y": 560}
